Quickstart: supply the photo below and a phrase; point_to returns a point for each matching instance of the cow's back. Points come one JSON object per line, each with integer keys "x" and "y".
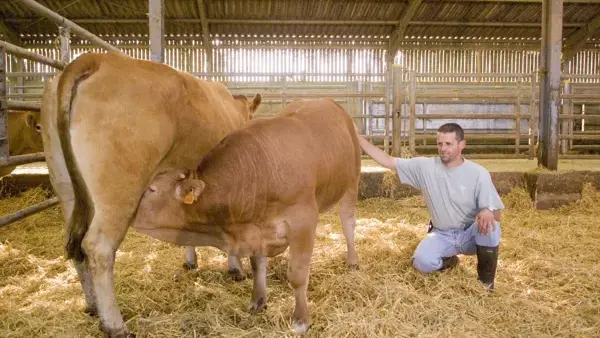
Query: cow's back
{"x": 336, "y": 150}
{"x": 308, "y": 151}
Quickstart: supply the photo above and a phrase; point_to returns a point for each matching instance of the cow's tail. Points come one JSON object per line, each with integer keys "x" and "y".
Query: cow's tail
{"x": 83, "y": 209}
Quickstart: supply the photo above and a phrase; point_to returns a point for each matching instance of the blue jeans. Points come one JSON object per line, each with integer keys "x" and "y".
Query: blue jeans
{"x": 447, "y": 243}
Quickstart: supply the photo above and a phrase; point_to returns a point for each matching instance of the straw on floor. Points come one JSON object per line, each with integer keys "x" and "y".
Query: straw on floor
{"x": 547, "y": 282}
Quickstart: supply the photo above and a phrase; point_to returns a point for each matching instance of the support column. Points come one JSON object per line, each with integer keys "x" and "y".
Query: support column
{"x": 3, "y": 107}
{"x": 65, "y": 44}
{"x": 565, "y": 124}
{"x": 550, "y": 66}
{"x": 388, "y": 100}
{"x": 156, "y": 21}
{"x": 398, "y": 98}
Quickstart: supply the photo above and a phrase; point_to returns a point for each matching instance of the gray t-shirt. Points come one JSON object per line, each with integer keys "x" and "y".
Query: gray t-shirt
{"x": 453, "y": 196}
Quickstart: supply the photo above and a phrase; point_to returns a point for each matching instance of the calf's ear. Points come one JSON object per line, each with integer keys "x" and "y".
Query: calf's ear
{"x": 188, "y": 190}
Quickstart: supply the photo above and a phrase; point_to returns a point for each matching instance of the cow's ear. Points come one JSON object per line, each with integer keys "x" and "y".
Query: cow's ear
{"x": 255, "y": 103}
{"x": 31, "y": 121}
{"x": 188, "y": 190}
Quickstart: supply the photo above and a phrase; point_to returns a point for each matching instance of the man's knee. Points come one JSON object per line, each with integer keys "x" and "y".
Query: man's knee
{"x": 426, "y": 263}
{"x": 492, "y": 239}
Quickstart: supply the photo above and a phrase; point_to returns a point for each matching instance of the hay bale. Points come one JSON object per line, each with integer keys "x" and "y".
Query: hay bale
{"x": 383, "y": 183}
{"x": 557, "y": 189}
{"x": 14, "y": 185}
{"x": 505, "y": 182}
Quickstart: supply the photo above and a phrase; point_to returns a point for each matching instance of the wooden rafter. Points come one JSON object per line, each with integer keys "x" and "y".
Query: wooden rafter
{"x": 9, "y": 33}
{"x": 398, "y": 32}
{"x": 577, "y": 39}
{"x": 310, "y": 22}
{"x": 205, "y": 34}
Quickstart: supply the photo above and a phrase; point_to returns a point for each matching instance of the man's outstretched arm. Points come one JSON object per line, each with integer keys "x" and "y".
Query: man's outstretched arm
{"x": 377, "y": 154}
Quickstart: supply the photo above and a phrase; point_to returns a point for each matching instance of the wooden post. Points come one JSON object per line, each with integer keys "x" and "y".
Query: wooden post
{"x": 550, "y": 67}
{"x": 19, "y": 67}
{"x": 156, "y": 22}
{"x": 566, "y": 109}
{"x": 387, "y": 99}
{"x": 3, "y": 107}
{"x": 412, "y": 112}
{"x": 518, "y": 119}
{"x": 65, "y": 44}
{"x": 398, "y": 98}
{"x": 532, "y": 121}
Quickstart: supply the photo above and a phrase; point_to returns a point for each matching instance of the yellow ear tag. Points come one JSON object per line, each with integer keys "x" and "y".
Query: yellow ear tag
{"x": 189, "y": 198}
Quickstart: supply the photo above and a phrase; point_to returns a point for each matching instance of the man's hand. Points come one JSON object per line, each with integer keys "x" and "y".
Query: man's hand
{"x": 485, "y": 221}
{"x": 377, "y": 154}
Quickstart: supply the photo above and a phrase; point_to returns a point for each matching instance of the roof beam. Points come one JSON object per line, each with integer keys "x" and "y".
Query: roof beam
{"x": 398, "y": 33}
{"x": 205, "y": 34}
{"x": 574, "y": 42}
{"x": 10, "y": 34}
{"x": 308, "y": 22}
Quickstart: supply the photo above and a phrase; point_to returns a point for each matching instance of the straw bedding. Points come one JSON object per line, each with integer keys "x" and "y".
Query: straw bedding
{"x": 547, "y": 282}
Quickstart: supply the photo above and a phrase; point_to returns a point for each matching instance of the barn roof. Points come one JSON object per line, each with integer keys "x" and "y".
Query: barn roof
{"x": 377, "y": 20}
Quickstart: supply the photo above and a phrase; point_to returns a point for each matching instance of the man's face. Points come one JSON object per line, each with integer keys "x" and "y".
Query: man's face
{"x": 448, "y": 147}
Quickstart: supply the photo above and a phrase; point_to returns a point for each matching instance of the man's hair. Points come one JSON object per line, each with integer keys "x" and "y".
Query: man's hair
{"x": 453, "y": 128}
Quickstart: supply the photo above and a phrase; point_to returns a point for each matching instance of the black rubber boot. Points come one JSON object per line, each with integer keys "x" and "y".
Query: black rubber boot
{"x": 449, "y": 262}
{"x": 487, "y": 260}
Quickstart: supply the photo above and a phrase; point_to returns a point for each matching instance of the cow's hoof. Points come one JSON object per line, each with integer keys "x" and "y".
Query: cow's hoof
{"x": 189, "y": 266}
{"x": 237, "y": 275}
{"x": 257, "y": 306}
{"x": 353, "y": 267}
{"x": 120, "y": 333}
{"x": 91, "y": 310}
{"x": 300, "y": 327}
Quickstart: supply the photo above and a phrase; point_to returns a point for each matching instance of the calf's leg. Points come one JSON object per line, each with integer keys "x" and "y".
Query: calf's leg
{"x": 259, "y": 289}
{"x": 190, "y": 260}
{"x": 301, "y": 236}
{"x": 348, "y": 219}
{"x": 235, "y": 269}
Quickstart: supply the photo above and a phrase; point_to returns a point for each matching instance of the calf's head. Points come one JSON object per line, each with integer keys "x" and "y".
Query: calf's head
{"x": 167, "y": 199}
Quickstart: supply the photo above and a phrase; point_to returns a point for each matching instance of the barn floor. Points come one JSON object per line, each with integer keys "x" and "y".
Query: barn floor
{"x": 547, "y": 282}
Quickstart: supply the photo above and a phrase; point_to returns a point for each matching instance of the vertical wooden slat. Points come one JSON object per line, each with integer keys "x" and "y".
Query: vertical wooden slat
{"x": 412, "y": 126}
{"x": 3, "y": 108}
{"x": 518, "y": 119}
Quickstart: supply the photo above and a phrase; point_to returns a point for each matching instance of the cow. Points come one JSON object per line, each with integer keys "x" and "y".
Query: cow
{"x": 110, "y": 123}
{"x": 260, "y": 191}
{"x": 24, "y": 136}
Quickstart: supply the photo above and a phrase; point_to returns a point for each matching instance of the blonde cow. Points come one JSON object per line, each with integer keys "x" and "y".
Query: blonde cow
{"x": 110, "y": 124}
{"x": 23, "y": 136}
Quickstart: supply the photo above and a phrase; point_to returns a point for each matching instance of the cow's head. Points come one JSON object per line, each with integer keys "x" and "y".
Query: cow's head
{"x": 32, "y": 134}
{"x": 166, "y": 199}
{"x": 245, "y": 107}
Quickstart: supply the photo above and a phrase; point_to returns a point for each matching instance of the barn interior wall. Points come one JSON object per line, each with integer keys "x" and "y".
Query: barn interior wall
{"x": 354, "y": 69}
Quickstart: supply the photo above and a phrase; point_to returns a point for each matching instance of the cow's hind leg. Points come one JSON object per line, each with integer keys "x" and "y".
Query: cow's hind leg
{"x": 85, "y": 277}
{"x": 301, "y": 237}
{"x": 235, "y": 269}
{"x": 65, "y": 193}
{"x": 190, "y": 260}
{"x": 348, "y": 219}
{"x": 100, "y": 244}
